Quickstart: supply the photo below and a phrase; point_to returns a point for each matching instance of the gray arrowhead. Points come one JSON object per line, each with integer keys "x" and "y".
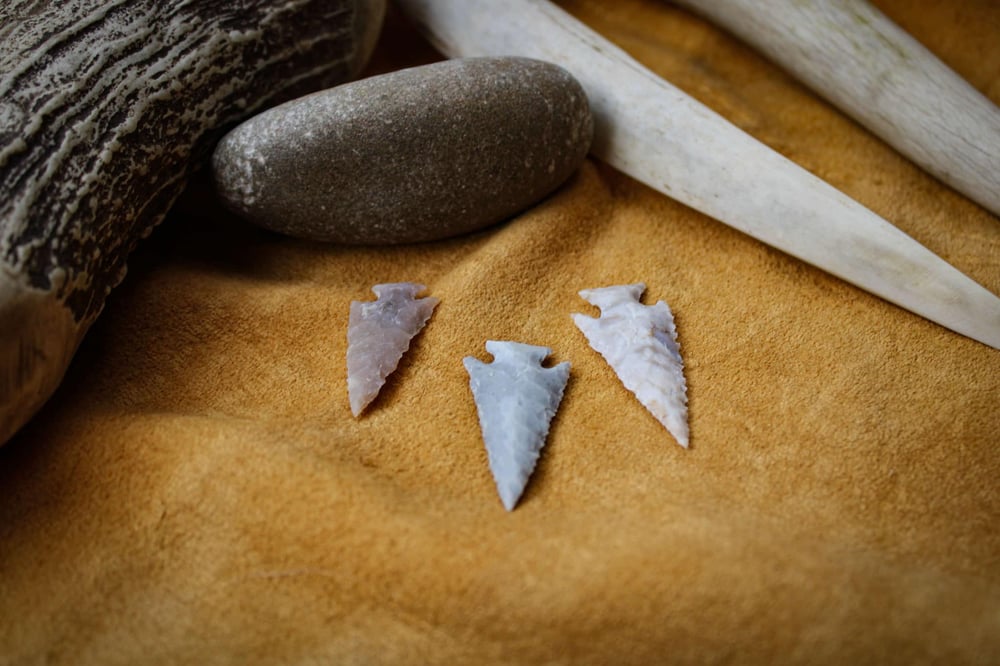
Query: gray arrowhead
{"x": 639, "y": 342}
{"x": 378, "y": 333}
{"x": 516, "y": 399}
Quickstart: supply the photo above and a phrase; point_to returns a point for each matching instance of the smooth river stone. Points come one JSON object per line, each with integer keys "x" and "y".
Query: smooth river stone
{"x": 414, "y": 155}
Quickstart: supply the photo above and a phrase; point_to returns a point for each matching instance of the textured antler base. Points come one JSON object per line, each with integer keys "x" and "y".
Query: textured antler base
{"x": 106, "y": 109}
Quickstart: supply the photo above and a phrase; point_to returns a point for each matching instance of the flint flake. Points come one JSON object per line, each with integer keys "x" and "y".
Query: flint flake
{"x": 378, "y": 334}
{"x": 516, "y": 399}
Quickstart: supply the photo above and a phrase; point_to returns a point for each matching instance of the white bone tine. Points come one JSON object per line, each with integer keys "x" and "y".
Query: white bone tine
{"x": 660, "y": 136}
{"x": 873, "y": 71}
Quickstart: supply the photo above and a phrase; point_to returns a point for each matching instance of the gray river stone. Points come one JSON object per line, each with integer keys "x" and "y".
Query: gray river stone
{"x": 414, "y": 155}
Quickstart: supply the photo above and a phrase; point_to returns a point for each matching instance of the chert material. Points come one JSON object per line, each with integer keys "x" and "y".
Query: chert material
{"x": 378, "y": 334}
{"x": 105, "y": 109}
{"x": 516, "y": 399}
{"x": 414, "y": 155}
{"x": 639, "y": 342}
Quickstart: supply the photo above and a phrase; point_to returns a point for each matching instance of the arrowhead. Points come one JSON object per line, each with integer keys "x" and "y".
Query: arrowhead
{"x": 516, "y": 399}
{"x": 639, "y": 342}
{"x": 378, "y": 334}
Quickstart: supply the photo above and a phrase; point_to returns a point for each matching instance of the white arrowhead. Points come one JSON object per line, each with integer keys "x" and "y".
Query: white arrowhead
{"x": 378, "y": 333}
{"x": 639, "y": 342}
{"x": 516, "y": 399}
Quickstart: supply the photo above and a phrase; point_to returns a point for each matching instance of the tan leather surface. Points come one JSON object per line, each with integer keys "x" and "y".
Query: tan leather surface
{"x": 198, "y": 492}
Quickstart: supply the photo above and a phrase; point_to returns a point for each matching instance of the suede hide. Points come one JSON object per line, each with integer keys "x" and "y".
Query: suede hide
{"x": 198, "y": 492}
